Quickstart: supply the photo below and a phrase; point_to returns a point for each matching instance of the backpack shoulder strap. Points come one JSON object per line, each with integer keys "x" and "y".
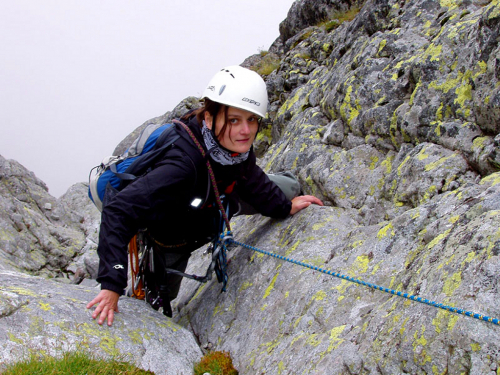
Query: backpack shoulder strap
{"x": 210, "y": 172}
{"x": 166, "y": 139}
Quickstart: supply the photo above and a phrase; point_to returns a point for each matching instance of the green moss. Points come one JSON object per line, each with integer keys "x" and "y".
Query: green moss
{"x": 76, "y": 362}
{"x": 281, "y": 367}
{"x": 108, "y": 344}
{"x": 381, "y": 46}
{"x": 275, "y": 153}
{"x": 347, "y": 110}
{"x": 271, "y": 286}
{"x": 313, "y": 340}
{"x": 412, "y": 97}
{"x": 267, "y": 65}
{"x": 438, "y": 239}
{"x": 419, "y": 341}
{"x": 215, "y": 363}
{"x": 264, "y": 133}
{"x": 287, "y": 106}
{"x": 200, "y": 289}
{"x": 335, "y": 341}
{"x": 374, "y": 161}
{"x": 452, "y": 283}
{"x": 492, "y": 180}
{"x": 495, "y": 13}
{"x": 23, "y": 292}
{"x": 446, "y": 86}
{"x": 245, "y": 286}
{"x": 44, "y": 306}
{"x": 475, "y": 347}
{"x": 310, "y": 181}
{"x": 401, "y": 166}
{"x": 464, "y": 93}
{"x": 292, "y": 248}
{"x": 479, "y": 143}
{"x": 135, "y": 337}
{"x": 385, "y": 231}
{"x": 433, "y": 52}
{"x": 359, "y": 266}
{"x": 387, "y": 163}
{"x": 338, "y": 18}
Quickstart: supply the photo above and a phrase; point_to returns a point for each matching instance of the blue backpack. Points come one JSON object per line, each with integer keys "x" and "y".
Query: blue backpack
{"x": 116, "y": 172}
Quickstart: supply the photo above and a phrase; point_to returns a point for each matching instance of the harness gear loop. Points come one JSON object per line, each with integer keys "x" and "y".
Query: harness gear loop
{"x": 168, "y": 246}
{"x": 137, "y": 287}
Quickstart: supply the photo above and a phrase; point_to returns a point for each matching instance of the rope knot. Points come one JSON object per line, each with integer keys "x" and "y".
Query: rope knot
{"x": 226, "y": 238}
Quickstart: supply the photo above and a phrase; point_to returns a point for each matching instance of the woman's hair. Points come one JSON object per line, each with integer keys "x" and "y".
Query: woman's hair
{"x": 213, "y": 108}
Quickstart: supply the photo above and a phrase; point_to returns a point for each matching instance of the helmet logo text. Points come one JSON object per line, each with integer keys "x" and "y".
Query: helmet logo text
{"x": 251, "y": 101}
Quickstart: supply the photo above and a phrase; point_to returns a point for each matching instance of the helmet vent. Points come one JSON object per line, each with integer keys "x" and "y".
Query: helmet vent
{"x": 222, "y": 88}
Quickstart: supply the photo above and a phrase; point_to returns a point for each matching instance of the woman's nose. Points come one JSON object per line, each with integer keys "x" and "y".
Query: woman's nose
{"x": 245, "y": 128}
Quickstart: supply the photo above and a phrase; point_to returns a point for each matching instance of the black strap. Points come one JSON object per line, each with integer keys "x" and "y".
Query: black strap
{"x": 121, "y": 176}
{"x": 146, "y": 159}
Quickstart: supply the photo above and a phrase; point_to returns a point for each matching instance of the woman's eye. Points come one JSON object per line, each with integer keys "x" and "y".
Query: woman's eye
{"x": 252, "y": 119}
{"x": 233, "y": 121}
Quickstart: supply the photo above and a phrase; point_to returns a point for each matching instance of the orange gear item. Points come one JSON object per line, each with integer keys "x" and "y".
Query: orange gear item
{"x": 134, "y": 269}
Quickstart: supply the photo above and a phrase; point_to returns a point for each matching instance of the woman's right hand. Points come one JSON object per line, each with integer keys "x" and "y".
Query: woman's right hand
{"x": 107, "y": 306}
{"x": 303, "y": 201}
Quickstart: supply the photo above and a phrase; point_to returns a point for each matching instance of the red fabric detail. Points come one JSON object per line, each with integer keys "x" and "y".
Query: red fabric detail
{"x": 230, "y": 188}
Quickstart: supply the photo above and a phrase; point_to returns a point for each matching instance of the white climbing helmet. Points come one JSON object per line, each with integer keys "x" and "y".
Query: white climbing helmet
{"x": 238, "y": 87}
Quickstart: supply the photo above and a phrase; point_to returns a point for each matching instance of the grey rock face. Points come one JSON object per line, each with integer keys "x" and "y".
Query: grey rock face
{"x": 39, "y": 234}
{"x": 392, "y": 120}
{"x": 304, "y": 13}
{"x": 279, "y": 317}
{"x": 181, "y": 108}
{"x": 39, "y": 315}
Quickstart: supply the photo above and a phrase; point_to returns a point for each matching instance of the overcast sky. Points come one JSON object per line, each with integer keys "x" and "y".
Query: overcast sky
{"x": 77, "y": 76}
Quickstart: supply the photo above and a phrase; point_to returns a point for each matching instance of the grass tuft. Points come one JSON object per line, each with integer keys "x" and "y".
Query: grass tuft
{"x": 338, "y": 18}
{"x": 268, "y": 64}
{"x": 72, "y": 363}
{"x": 215, "y": 363}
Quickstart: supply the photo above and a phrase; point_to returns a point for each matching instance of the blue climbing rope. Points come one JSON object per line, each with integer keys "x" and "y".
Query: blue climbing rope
{"x": 370, "y": 285}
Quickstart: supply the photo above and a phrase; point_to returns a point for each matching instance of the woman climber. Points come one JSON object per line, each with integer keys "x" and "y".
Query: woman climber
{"x": 175, "y": 201}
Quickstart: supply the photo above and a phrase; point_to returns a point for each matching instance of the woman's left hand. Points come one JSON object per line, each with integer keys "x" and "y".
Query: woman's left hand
{"x": 303, "y": 201}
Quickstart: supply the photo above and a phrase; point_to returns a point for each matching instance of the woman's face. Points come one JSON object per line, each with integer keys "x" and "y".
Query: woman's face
{"x": 240, "y": 131}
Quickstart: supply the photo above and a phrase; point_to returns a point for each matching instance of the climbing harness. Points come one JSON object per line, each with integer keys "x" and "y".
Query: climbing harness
{"x": 373, "y": 286}
{"x": 145, "y": 285}
{"x": 218, "y": 248}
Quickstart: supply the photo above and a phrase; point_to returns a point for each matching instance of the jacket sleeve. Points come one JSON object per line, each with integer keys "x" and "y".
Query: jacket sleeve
{"x": 255, "y": 188}
{"x": 166, "y": 186}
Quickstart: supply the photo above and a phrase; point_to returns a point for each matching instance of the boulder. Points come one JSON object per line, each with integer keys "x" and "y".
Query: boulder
{"x": 40, "y": 315}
